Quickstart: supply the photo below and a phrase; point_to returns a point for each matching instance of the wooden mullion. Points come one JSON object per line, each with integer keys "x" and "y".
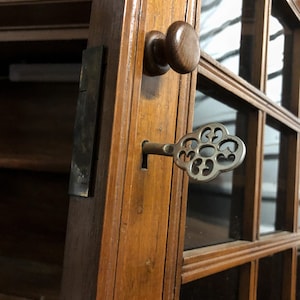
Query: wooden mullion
{"x": 248, "y": 281}
{"x": 286, "y": 99}
{"x": 290, "y": 9}
{"x": 238, "y": 185}
{"x": 255, "y": 35}
{"x": 199, "y": 263}
{"x": 210, "y": 70}
{"x": 291, "y": 182}
{"x": 295, "y": 86}
{"x": 254, "y": 162}
{"x": 289, "y": 274}
{"x": 295, "y": 100}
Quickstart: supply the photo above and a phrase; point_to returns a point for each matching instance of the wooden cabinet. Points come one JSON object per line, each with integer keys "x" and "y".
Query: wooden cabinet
{"x": 147, "y": 231}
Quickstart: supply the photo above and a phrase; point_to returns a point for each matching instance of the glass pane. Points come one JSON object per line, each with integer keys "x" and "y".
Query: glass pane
{"x": 269, "y": 286}
{"x": 223, "y": 285}
{"x": 275, "y": 174}
{"x": 220, "y": 31}
{"x": 214, "y": 208}
{"x": 269, "y": 180}
{"x": 279, "y": 62}
{"x": 275, "y": 60}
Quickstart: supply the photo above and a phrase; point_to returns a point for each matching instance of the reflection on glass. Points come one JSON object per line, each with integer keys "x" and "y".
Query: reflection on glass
{"x": 269, "y": 180}
{"x": 269, "y": 284}
{"x": 275, "y": 60}
{"x": 223, "y": 285}
{"x": 221, "y": 31}
{"x": 212, "y": 216}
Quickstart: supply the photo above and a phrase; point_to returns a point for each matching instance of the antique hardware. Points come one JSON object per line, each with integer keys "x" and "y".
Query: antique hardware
{"x": 203, "y": 154}
{"x": 178, "y": 49}
{"x": 86, "y": 122}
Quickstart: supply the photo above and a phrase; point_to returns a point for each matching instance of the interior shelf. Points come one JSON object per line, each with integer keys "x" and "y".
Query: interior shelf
{"x": 36, "y": 123}
{"x": 30, "y": 14}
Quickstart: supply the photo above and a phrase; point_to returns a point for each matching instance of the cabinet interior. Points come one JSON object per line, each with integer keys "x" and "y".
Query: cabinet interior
{"x": 36, "y": 131}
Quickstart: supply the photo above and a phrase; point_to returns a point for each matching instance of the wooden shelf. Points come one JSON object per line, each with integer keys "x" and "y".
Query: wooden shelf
{"x": 44, "y": 13}
{"x": 36, "y": 124}
{"x": 44, "y": 34}
{"x": 35, "y": 162}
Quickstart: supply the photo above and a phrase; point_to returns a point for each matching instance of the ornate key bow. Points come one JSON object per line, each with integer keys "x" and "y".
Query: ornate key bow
{"x": 205, "y": 153}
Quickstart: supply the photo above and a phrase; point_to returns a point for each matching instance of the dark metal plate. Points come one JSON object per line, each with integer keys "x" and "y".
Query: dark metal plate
{"x": 86, "y": 123}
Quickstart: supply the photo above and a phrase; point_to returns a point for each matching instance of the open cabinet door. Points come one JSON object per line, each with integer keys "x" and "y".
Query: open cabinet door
{"x": 116, "y": 244}
{"x": 147, "y": 231}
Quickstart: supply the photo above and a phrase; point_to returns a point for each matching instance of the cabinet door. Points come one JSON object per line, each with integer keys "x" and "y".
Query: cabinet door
{"x": 150, "y": 232}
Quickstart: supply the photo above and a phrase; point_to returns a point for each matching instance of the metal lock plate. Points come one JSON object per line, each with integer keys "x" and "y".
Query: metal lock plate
{"x": 86, "y": 123}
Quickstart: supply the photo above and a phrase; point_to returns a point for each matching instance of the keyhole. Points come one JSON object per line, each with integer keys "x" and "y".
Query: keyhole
{"x": 144, "y": 159}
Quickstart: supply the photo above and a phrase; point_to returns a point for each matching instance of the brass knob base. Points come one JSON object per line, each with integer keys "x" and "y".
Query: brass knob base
{"x": 155, "y": 62}
{"x": 178, "y": 49}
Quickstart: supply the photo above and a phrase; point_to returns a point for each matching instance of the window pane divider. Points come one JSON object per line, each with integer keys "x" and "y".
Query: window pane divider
{"x": 212, "y": 70}
{"x": 45, "y": 34}
{"x": 203, "y": 262}
{"x": 254, "y": 163}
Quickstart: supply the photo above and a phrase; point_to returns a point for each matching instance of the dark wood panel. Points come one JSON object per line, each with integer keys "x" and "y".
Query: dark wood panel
{"x": 11, "y": 297}
{"x": 33, "y": 216}
{"x": 289, "y": 11}
{"x": 36, "y": 125}
{"x": 44, "y": 13}
{"x": 29, "y": 279}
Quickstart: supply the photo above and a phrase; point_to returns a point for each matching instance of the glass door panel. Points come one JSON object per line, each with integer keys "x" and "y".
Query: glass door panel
{"x": 270, "y": 277}
{"x": 276, "y": 172}
{"x": 213, "y": 209}
{"x": 220, "y": 31}
{"x": 227, "y": 216}
{"x": 279, "y": 59}
{"x": 275, "y": 61}
{"x": 270, "y": 180}
{"x": 223, "y": 285}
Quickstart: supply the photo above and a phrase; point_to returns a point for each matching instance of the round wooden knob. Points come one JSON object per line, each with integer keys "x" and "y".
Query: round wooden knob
{"x": 178, "y": 49}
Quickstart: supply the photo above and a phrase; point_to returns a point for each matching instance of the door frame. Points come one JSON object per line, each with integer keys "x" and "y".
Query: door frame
{"x": 95, "y": 233}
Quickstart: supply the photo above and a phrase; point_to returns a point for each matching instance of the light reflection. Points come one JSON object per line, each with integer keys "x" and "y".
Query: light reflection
{"x": 275, "y": 62}
{"x": 269, "y": 180}
{"x": 209, "y": 212}
{"x": 221, "y": 31}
